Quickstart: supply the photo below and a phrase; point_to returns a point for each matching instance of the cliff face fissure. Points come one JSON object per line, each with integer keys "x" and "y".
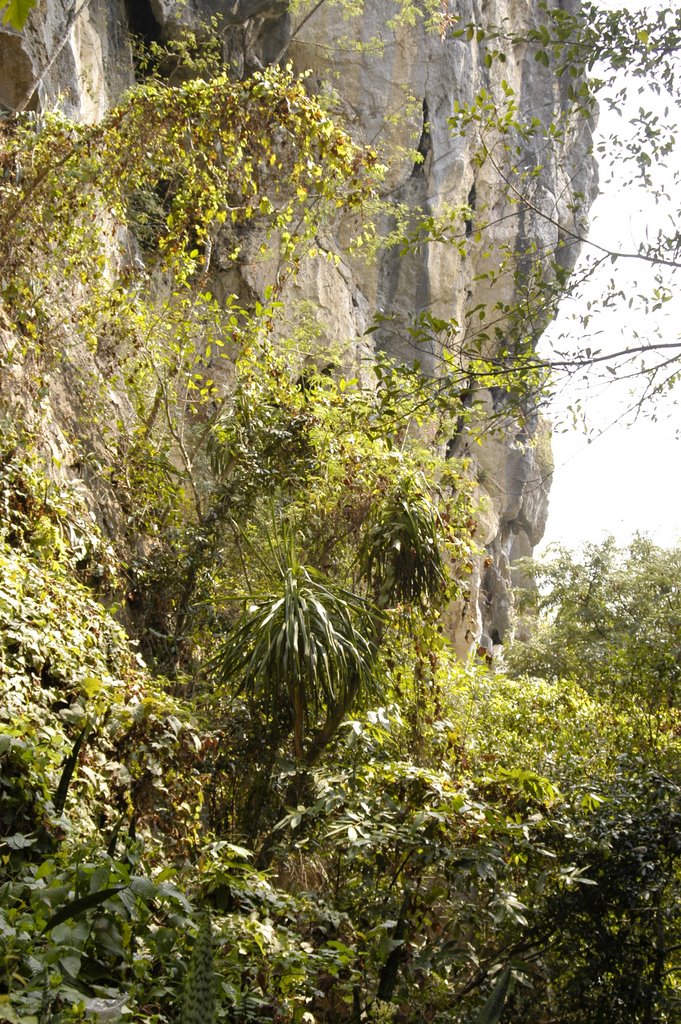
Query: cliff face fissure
{"x": 424, "y": 146}
{"x": 367, "y": 67}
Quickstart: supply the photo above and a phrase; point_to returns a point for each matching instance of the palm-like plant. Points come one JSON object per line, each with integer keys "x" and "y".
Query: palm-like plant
{"x": 304, "y": 646}
{"x": 401, "y": 553}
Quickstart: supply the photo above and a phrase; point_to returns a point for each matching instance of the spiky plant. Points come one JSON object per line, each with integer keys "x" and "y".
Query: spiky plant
{"x": 198, "y": 1004}
{"x": 304, "y": 647}
{"x": 401, "y": 552}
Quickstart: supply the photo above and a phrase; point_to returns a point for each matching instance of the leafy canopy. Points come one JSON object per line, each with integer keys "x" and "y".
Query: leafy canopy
{"x": 610, "y": 619}
{"x": 470, "y": 846}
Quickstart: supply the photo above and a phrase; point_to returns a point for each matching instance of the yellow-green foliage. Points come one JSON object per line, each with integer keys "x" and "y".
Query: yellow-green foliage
{"x": 555, "y": 728}
{"x": 67, "y": 670}
{"x": 212, "y": 153}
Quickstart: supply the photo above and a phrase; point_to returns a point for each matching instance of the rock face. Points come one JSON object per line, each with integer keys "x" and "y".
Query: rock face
{"x": 398, "y": 91}
{"x": 419, "y": 75}
{"x": 75, "y": 56}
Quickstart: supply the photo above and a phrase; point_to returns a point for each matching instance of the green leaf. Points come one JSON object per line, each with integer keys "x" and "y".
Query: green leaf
{"x": 18, "y": 841}
{"x": 70, "y": 964}
{"x": 492, "y": 1010}
{"x": 68, "y": 770}
{"x": 240, "y": 851}
{"x": 143, "y": 886}
{"x": 198, "y": 1005}
{"x": 16, "y": 12}
{"x": 7, "y": 1013}
{"x": 76, "y": 907}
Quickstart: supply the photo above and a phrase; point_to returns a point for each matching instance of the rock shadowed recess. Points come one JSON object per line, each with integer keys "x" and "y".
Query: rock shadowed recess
{"x": 396, "y": 90}
{"x": 255, "y": 33}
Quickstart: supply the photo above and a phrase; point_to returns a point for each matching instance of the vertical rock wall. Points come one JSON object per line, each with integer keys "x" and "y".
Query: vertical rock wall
{"x": 399, "y": 92}
{"x": 75, "y": 56}
{"x": 396, "y": 91}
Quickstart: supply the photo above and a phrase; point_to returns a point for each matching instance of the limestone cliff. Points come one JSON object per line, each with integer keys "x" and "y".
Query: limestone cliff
{"x": 398, "y": 91}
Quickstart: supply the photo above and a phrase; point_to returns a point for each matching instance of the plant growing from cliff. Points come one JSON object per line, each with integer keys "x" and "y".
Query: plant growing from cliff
{"x": 325, "y": 453}
{"x": 627, "y": 61}
{"x": 213, "y": 156}
{"x": 416, "y": 871}
{"x": 219, "y": 151}
{"x": 585, "y": 55}
{"x": 185, "y": 167}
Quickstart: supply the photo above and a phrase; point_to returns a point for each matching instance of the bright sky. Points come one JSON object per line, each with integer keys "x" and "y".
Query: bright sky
{"x": 628, "y": 477}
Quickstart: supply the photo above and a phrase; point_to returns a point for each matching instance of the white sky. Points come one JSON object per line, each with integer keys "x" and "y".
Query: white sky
{"x": 628, "y": 477}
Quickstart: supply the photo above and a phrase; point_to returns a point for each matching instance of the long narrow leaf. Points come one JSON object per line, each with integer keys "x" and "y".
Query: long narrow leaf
{"x": 76, "y": 907}
{"x": 68, "y": 770}
{"x": 303, "y": 644}
{"x": 493, "y": 1008}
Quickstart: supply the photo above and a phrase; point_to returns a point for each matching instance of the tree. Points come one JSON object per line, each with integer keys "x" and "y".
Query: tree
{"x": 175, "y": 166}
{"x": 611, "y": 620}
{"x": 464, "y": 840}
{"x": 612, "y": 946}
{"x": 401, "y": 549}
{"x": 627, "y": 62}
